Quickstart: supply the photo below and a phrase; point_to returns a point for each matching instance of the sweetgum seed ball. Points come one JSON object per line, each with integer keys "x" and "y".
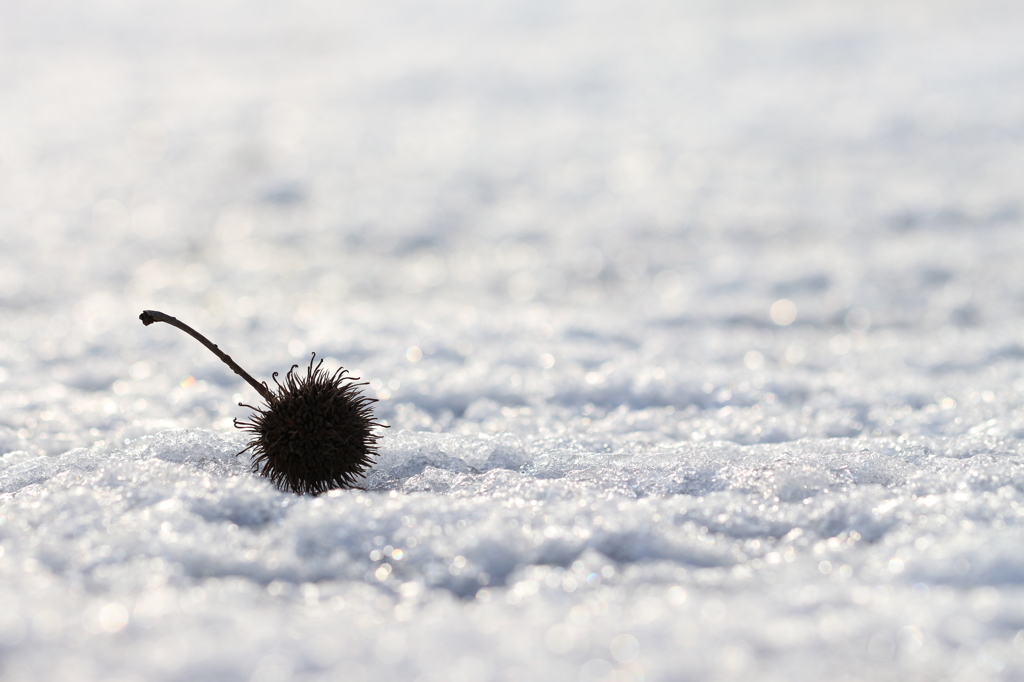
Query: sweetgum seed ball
{"x": 314, "y": 433}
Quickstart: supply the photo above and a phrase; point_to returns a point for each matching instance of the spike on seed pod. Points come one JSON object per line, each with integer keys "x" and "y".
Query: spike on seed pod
{"x": 314, "y": 433}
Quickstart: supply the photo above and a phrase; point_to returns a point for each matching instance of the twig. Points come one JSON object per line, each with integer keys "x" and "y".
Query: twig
{"x": 148, "y": 317}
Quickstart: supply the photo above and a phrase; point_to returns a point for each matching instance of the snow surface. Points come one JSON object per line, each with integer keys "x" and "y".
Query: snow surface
{"x": 698, "y": 326}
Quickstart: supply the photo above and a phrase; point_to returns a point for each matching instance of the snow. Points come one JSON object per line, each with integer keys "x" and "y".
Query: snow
{"x": 697, "y": 326}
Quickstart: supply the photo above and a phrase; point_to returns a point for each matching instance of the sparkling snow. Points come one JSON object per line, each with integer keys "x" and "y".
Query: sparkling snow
{"x": 699, "y": 328}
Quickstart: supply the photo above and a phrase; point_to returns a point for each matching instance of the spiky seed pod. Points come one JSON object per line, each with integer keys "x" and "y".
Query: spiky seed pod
{"x": 314, "y": 433}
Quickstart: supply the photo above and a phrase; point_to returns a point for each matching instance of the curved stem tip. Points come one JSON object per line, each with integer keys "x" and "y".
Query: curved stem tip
{"x": 148, "y": 317}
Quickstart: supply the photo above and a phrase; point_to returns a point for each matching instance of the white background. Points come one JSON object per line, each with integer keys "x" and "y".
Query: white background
{"x": 697, "y": 325}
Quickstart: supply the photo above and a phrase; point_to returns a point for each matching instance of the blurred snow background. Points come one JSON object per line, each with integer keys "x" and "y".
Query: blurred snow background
{"x": 698, "y": 326}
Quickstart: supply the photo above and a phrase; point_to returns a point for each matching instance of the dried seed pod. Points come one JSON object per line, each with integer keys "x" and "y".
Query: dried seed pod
{"x": 314, "y": 433}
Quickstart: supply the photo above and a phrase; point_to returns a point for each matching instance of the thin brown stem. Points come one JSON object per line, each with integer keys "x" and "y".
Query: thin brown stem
{"x": 148, "y": 317}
